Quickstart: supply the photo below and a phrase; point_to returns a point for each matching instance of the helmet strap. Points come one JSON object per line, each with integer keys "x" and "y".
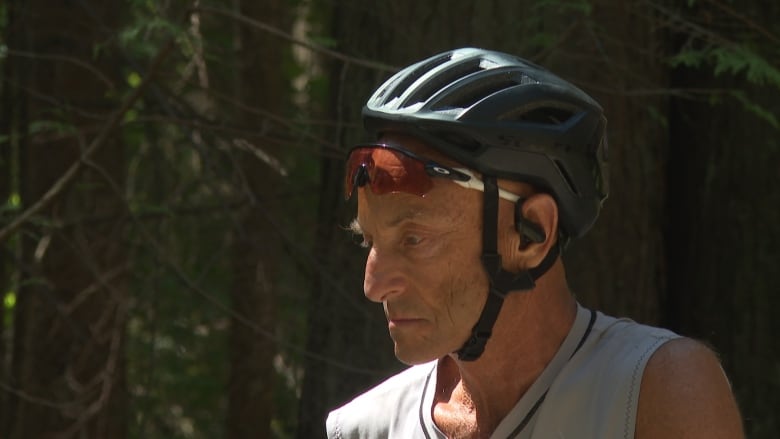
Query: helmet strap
{"x": 501, "y": 282}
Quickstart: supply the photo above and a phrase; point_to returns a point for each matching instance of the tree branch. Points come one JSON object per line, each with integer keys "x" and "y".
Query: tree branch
{"x": 747, "y": 21}
{"x": 69, "y": 175}
{"x": 54, "y": 57}
{"x": 314, "y": 47}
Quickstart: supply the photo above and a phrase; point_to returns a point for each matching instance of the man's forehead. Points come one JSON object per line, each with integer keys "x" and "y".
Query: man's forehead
{"x": 390, "y": 210}
{"x": 398, "y": 217}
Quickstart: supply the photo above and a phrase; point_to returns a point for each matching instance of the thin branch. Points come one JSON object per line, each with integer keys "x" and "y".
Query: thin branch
{"x": 105, "y": 378}
{"x": 21, "y": 394}
{"x": 200, "y": 121}
{"x": 102, "y": 280}
{"x": 314, "y": 47}
{"x": 747, "y": 21}
{"x": 678, "y": 22}
{"x": 238, "y": 315}
{"x": 55, "y": 57}
{"x": 96, "y": 144}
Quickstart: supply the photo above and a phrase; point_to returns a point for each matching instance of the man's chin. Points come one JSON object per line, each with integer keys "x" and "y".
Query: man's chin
{"x": 413, "y": 357}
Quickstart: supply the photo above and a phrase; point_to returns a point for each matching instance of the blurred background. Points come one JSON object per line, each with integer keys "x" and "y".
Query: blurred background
{"x": 175, "y": 262}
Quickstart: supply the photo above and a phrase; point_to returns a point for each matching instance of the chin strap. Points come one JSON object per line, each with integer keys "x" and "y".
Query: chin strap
{"x": 501, "y": 281}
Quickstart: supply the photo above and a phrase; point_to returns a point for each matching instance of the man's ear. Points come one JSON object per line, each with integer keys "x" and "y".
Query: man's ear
{"x": 528, "y": 230}
{"x": 536, "y": 230}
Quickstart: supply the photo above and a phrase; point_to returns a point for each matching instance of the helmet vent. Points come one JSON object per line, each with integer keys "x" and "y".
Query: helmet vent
{"x": 541, "y": 115}
{"x": 398, "y": 87}
{"x": 469, "y": 95}
{"x": 504, "y": 116}
{"x": 443, "y": 79}
{"x": 566, "y": 176}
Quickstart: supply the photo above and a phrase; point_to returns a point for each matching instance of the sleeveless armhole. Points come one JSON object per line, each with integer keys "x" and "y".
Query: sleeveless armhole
{"x": 629, "y": 428}
{"x": 388, "y": 410}
{"x": 597, "y": 392}
{"x": 518, "y": 423}
{"x": 426, "y": 400}
{"x": 332, "y": 426}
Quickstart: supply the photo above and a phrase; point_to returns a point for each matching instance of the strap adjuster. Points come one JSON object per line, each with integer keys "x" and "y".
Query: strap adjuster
{"x": 492, "y": 264}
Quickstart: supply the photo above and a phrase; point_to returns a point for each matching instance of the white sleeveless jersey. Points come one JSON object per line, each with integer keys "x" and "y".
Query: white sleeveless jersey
{"x": 590, "y": 389}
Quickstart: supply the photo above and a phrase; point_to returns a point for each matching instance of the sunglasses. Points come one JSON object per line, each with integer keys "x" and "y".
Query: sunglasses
{"x": 388, "y": 169}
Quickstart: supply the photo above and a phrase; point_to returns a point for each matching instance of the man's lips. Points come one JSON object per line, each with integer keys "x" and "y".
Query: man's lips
{"x": 403, "y": 322}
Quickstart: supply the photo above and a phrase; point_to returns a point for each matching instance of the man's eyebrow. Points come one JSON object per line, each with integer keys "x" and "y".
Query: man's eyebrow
{"x": 354, "y": 225}
{"x": 403, "y": 216}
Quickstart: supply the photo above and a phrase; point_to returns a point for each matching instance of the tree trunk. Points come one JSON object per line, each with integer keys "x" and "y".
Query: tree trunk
{"x": 67, "y": 365}
{"x": 618, "y": 267}
{"x": 724, "y": 242}
{"x": 11, "y": 113}
{"x": 261, "y": 83}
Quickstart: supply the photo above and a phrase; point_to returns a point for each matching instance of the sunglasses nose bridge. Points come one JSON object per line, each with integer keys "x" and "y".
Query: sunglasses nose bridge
{"x": 361, "y": 176}
{"x": 359, "y": 179}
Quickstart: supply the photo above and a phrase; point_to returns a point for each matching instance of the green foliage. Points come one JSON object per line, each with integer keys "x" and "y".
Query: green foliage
{"x": 177, "y": 357}
{"x": 133, "y": 79}
{"x": 323, "y": 40}
{"x": 52, "y": 126}
{"x": 759, "y": 111}
{"x": 177, "y": 352}
{"x": 141, "y": 36}
{"x": 741, "y": 63}
{"x": 12, "y": 204}
{"x": 7, "y": 311}
{"x": 731, "y": 60}
{"x": 658, "y": 116}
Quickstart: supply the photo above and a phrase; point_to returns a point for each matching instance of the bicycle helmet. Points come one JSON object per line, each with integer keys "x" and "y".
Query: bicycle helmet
{"x": 507, "y": 117}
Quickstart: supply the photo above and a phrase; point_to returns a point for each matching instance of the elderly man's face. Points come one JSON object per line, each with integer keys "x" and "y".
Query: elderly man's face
{"x": 424, "y": 263}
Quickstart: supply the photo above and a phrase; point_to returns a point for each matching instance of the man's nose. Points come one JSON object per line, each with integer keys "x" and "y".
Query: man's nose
{"x": 383, "y": 277}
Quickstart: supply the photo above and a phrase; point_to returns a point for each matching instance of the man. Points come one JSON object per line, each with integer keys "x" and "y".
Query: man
{"x": 485, "y": 165}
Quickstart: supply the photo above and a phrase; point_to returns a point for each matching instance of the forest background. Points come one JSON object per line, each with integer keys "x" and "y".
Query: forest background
{"x": 174, "y": 256}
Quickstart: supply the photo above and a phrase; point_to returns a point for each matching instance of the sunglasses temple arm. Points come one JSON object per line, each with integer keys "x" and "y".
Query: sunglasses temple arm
{"x": 477, "y": 184}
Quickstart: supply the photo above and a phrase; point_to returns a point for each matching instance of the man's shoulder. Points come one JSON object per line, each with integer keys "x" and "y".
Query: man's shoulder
{"x": 614, "y": 350}
{"x": 598, "y": 389}
{"x": 616, "y": 338}
{"x": 386, "y": 406}
{"x": 684, "y": 384}
{"x": 620, "y": 348}
{"x": 621, "y": 329}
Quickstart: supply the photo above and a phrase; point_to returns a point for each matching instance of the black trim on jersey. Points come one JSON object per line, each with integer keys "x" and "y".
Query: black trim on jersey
{"x": 536, "y": 405}
{"x": 532, "y": 412}
{"x": 422, "y": 403}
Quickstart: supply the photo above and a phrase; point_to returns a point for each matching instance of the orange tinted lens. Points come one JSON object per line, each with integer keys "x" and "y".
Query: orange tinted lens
{"x": 388, "y": 171}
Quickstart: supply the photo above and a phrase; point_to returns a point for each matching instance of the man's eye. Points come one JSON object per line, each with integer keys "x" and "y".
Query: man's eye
{"x": 412, "y": 240}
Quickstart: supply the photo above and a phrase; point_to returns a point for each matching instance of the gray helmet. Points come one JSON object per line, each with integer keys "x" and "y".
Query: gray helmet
{"x": 505, "y": 117}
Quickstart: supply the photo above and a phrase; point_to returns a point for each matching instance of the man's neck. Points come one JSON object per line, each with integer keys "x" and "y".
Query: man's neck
{"x": 473, "y": 397}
